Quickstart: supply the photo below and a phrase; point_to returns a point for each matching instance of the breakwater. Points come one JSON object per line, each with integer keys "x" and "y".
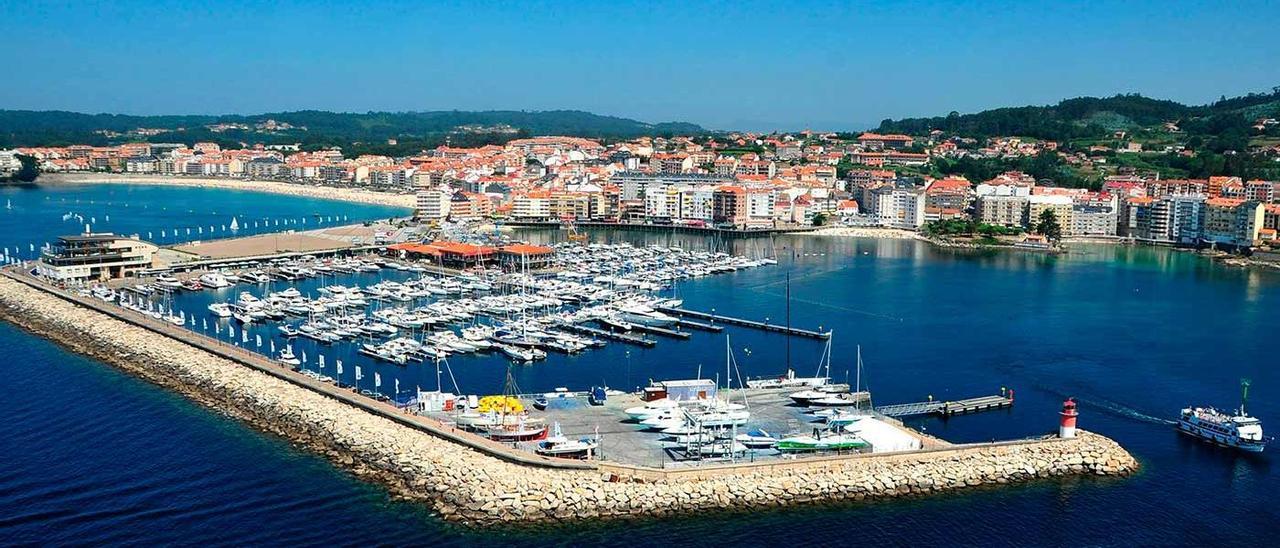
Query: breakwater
{"x": 477, "y": 484}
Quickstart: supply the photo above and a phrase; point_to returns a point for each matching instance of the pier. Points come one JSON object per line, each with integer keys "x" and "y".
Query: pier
{"x": 947, "y": 408}
{"x": 666, "y": 228}
{"x": 623, "y": 337}
{"x": 699, "y": 325}
{"x": 660, "y": 331}
{"x": 764, "y": 326}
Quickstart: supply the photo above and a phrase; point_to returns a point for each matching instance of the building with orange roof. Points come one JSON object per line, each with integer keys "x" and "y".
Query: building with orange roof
{"x": 519, "y": 256}
{"x": 876, "y": 141}
{"x": 1233, "y": 221}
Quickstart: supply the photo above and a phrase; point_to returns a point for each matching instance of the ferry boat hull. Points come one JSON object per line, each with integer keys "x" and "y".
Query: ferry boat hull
{"x": 1190, "y": 426}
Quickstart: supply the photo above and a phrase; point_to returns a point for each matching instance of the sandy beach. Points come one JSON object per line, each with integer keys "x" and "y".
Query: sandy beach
{"x": 867, "y": 232}
{"x": 274, "y": 187}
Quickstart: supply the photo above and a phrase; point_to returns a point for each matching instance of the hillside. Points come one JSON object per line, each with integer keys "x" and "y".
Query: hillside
{"x": 35, "y": 128}
{"x": 1226, "y": 122}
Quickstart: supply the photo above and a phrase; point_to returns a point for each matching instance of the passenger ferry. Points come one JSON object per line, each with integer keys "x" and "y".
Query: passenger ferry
{"x": 1237, "y": 430}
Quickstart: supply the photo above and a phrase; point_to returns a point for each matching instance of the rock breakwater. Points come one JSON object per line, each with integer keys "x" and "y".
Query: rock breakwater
{"x": 469, "y": 485}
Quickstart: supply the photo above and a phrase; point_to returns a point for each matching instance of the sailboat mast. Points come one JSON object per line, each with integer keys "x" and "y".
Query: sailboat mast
{"x": 788, "y": 334}
{"x": 857, "y": 386}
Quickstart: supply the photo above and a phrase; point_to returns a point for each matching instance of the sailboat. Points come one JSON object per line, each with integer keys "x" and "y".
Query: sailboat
{"x": 510, "y": 421}
{"x": 824, "y": 390}
{"x": 855, "y": 398}
{"x": 789, "y": 379}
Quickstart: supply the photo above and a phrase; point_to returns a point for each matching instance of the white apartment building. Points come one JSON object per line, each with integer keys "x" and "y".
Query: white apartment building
{"x": 695, "y": 203}
{"x": 434, "y": 203}
{"x": 531, "y": 207}
{"x": 899, "y": 207}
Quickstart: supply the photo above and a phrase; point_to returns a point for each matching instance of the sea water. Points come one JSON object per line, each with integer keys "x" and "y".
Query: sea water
{"x": 1135, "y": 333}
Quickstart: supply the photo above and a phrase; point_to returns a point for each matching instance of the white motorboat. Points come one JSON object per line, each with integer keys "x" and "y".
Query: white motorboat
{"x": 286, "y": 357}
{"x": 221, "y": 310}
{"x": 557, "y": 445}
{"x": 214, "y": 280}
{"x": 756, "y": 439}
{"x": 649, "y": 409}
{"x": 169, "y": 282}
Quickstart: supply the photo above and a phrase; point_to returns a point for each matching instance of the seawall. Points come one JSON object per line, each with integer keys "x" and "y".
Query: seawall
{"x": 474, "y": 483}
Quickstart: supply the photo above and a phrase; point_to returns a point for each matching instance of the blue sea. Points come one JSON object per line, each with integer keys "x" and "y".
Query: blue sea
{"x": 93, "y": 456}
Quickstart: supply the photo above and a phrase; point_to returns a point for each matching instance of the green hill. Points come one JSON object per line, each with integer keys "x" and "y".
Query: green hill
{"x": 1094, "y": 117}
{"x": 36, "y": 128}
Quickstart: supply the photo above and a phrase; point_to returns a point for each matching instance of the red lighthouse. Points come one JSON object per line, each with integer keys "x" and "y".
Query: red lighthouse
{"x": 1067, "y": 427}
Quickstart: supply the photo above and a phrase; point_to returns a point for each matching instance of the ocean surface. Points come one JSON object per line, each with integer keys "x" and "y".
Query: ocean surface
{"x": 93, "y": 456}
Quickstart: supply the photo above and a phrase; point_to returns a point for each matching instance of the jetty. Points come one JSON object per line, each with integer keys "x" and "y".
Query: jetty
{"x": 611, "y": 335}
{"x": 764, "y": 326}
{"x": 660, "y": 331}
{"x": 683, "y": 322}
{"x": 947, "y": 408}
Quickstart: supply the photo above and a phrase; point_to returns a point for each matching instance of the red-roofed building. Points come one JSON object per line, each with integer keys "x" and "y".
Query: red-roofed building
{"x": 876, "y": 141}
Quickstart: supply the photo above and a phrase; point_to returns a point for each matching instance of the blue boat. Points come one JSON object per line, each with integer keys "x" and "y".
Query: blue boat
{"x": 597, "y": 396}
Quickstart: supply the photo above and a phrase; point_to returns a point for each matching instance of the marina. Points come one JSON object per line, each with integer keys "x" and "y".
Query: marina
{"x": 316, "y": 314}
{"x": 897, "y": 375}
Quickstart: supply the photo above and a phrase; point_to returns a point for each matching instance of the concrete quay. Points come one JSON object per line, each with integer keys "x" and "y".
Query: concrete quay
{"x": 469, "y": 480}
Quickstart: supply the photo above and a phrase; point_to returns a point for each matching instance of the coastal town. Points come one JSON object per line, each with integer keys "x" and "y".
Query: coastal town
{"x": 745, "y": 181}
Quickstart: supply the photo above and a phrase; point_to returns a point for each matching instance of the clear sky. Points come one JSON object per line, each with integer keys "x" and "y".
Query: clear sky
{"x": 726, "y": 65}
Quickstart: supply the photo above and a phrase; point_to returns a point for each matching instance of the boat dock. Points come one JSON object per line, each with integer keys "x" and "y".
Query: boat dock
{"x": 699, "y": 325}
{"x": 660, "y": 331}
{"x": 947, "y": 408}
{"x": 715, "y": 318}
{"x": 623, "y": 337}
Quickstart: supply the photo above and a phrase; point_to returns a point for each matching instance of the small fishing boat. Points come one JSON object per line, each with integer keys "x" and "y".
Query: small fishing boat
{"x": 557, "y": 445}
{"x": 540, "y": 403}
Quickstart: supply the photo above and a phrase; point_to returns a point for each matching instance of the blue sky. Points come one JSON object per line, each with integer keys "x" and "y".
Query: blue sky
{"x": 742, "y": 64}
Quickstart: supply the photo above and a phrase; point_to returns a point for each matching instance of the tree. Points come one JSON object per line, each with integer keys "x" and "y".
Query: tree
{"x": 25, "y": 174}
{"x": 819, "y": 219}
{"x": 1048, "y": 225}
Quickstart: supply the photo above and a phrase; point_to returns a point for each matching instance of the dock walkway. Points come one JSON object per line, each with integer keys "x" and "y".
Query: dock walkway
{"x": 744, "y": 322}
{"x": 946, "y": 408}
{"x": 623, "y": 337}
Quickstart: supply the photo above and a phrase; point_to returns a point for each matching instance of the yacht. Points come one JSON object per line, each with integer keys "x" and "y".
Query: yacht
{"x": 169, "y": 282}
{"x": 214, "y": 280}
{"x": 221, "y": 310}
